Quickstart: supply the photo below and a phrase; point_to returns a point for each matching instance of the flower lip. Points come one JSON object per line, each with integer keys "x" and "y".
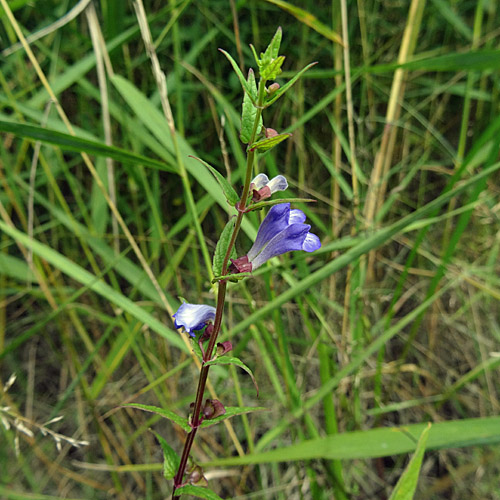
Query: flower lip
{"x": 193, "y": 317}
{"x": 275, "y": 221}
{"x": 283, "y": 230}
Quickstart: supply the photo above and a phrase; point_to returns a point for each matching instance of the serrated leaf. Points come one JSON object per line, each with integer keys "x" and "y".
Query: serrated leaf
{"x": 271, "y": 51}
{"x": 222, "y": 246}
{"x": 232, "y": 411}
{"x": 270, "y": 62}
{"x": 239, "y": 74}
{"x": 181, "y": 422}
{"x": 252, "y": 85}
{"x": 406, "y": 486}
{"x": 228, "y": 190}
{"x": 229, "y": 360}
{"x": 171, "y": 459}
{"x": 272, "y": 69}
{"x": 249, "y": 111}
{"x": 269, "y": 143}
{"x": 198, "y": 492}
{"x": 273, "y": 48}
{"x": 276, "y": 95}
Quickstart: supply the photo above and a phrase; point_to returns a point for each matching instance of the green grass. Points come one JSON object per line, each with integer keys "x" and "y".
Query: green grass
{"x": 392, "y": 324}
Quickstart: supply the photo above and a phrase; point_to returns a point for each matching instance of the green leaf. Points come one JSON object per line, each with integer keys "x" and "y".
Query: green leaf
{"x": 230, "y": 194}
{"x": 181, "y": 422}
{"x": 407, "y": 484}
{"x": 379, "y": 442}
{"x": 229, "y": 360}
{"x": 15, "y": 268}
{"x": 474, "y": 60}
{"x": 222, "y": 246}
{"x": 272, "y": 69}
{"x": 198, "y": 492}
{"x": 270, "y": 62}
{"x": 231, "y": 277}
{"x": 197, "y": 351}
{"x": 276, "y": 95}
{"x": 269, "y": 143}
{"x": 171, "y": 459}
{"x": 241, "y": 78}
{"x": 262, "y": 204}
{"x": 273, "y": 48}
{"x": 69, "y": 142}
{"x": 232, "y": 411}
{"x": 249, "y": 112}
{"x": 255, "y": 56}
{"x": 446, "y": 9}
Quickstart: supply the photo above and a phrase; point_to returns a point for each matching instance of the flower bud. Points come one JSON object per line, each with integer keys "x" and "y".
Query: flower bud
{"x": 273, "y": 88}
{"x": 270, "y": 132}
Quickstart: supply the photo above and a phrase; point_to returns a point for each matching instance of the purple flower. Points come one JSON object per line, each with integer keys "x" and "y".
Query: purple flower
{"x": 283, "y": 230}
{"x": 263, "y": 188}
{"x": 193, "y": 317}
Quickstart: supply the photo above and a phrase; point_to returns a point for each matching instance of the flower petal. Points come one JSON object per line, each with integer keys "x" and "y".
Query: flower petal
{"x": 311, "y": 243}
{"x": 278, "y": 183}
{"x": 276, "y": 220}
{"x": 260, "y": 181}
{"x": 291, "y": 238}
{"x": 296, "y": 216}
{"x": 193, "y": 316}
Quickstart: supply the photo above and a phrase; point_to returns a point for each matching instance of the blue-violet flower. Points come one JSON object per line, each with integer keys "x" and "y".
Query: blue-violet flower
{"x": 282, "y": 230}
{"x": 263, "y": 188}
{"x": 193, "y": 317}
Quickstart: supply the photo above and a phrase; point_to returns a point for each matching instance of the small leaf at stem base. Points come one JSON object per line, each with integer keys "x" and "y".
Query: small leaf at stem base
{"x": 171, "y": 460}
{"x": 222, "y": 246}
{"x": 182, "y": 422}
{"x": 249, "y": 112}
{"x": 197, "y": 492}
{"x": 269, "y": 143}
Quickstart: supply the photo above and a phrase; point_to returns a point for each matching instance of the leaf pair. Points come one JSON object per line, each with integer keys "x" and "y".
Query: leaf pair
{"x": 269, "y": 64}
{"x": 171, "y": 459}
{"x": 231, "y": 411}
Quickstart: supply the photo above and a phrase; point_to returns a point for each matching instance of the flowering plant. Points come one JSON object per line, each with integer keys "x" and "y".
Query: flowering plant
{"x": 282, "y": 230}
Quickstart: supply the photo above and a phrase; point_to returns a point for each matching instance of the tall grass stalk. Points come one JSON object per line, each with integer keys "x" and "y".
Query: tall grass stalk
{"x": 391, "y": 325}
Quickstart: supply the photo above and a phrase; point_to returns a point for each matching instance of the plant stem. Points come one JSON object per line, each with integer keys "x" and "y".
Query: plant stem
{"x": 221, "y": 296}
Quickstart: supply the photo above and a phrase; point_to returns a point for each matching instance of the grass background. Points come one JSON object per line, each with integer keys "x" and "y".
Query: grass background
{"x": 394, "y": 322}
